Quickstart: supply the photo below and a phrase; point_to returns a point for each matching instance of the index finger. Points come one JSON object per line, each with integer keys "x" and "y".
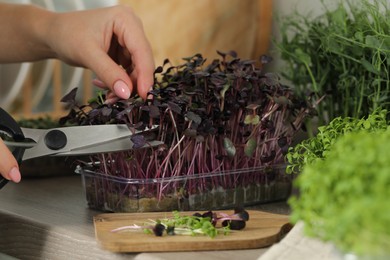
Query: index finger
{"x": 136, "y": 42}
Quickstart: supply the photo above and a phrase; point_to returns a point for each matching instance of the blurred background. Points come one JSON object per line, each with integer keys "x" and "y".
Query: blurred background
{"x": 175, "y": 28}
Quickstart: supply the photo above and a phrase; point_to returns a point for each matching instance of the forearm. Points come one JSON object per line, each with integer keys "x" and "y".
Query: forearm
{"x": 22, "y": 36}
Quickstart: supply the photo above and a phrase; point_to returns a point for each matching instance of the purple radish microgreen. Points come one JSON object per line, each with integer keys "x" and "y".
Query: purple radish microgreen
{"x": 224, "y": 116}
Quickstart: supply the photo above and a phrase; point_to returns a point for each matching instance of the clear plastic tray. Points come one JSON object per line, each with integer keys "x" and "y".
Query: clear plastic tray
{"x": 219, "y": 190}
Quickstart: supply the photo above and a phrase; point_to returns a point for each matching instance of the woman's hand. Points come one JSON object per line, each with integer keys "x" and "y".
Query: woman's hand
{"x": 109, "y": 41}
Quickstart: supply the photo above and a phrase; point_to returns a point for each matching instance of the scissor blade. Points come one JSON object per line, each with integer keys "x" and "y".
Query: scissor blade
{"x": 113, "y": 146}
{"x": 78, "y": 138}
{"x": 25, "y": 145}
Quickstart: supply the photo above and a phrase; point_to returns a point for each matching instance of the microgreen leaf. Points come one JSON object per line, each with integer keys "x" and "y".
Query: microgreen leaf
{"x": 138, "y": 141}
{"x": 264, "y": 59}
{"x": 194, "y": 117}
{"x": 70, "y": 97}
{"x": 229, "y": 147}
{"x": 250, "y": 147}
{"x": 252, "y": 120}
{"x": 158, "y": 229}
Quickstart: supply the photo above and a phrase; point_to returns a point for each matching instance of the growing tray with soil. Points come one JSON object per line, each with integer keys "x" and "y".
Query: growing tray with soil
{"x": 220, "y": 190}
{"x": 225, "y": 128}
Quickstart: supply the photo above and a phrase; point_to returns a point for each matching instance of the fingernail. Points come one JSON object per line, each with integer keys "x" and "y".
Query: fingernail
{"x": 14, "y": 175}
{"x": 111, "y": 100}
{"x": 98, "y": 83}
{"x": 121, "y": 89}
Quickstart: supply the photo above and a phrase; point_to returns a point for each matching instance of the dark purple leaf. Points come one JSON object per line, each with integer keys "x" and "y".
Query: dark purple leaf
{"x": 222, "y": 54}
{"x": 159, "y": 69}
{"x": 282, "y": 142}
{"x": 94, "y": 113}
{"x": 154, "y": 112}
{"x": 166, "y": 61}
{"x": 106, "y": 111}
{"x": 248, "y": 62}
{"x": 70, "y": 97}
{"x": 282, "y": 100}
{"x": 199, "y": 138}
{"x": 138, "y": 141}
{"x": 233, "y": 54}
{"x": 194, "y": 117}
{"x": 268, "y": 158}
{"x": 158, "y": 229}
{"x": 219, "y": 157}
{"x": 201, "y": 74}
{"x": 217, "y": 80}
{"x": 264, "y": 59}
{"x": 170, "y": 230}
{"x": 174, "y": 107}
{"x": 237, "y": 224}
{"x": 270, "y": 79}
{"x": 190, "y": 132}
{"x": 242, "y": 213}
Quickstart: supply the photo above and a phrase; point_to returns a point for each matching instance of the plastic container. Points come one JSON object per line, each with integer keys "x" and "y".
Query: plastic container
{"x": 220, "y": 190}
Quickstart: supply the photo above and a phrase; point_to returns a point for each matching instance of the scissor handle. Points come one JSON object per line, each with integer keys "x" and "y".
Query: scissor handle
{"x": 10, "y": 126}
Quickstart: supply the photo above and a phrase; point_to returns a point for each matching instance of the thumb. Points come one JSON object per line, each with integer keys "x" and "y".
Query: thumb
{"x": 8, "y": 166}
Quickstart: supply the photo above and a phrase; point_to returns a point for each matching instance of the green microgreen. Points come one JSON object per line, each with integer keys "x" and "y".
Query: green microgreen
{"x": 43, "y": 122}
{"x": 344, "y": 197}
{"x": 316, "y": 148}
{"x": 342, "y": 55}
{"x": 99, "y": 99}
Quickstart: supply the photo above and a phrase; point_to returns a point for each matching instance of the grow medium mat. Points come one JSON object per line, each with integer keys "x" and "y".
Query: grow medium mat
{"x": 263, "y": 229}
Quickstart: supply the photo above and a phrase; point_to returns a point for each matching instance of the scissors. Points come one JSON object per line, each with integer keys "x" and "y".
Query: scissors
{"x": 30, "y": 143}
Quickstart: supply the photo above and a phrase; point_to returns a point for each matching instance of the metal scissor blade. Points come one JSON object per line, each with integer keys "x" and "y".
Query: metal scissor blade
{"x": 113, "y": 146}
{"x": 13, "y": 144}
{"x": 78, "y": 138}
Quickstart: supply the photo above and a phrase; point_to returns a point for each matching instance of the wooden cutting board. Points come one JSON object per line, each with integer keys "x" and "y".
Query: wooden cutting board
{"x": 263, "y": 229}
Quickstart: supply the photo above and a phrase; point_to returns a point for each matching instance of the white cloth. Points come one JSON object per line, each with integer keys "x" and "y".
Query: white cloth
{"x": 296, "y": 246}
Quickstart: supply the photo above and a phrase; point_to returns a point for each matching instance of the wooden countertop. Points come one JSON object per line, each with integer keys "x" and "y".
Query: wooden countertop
{"x": 49, "y": 218}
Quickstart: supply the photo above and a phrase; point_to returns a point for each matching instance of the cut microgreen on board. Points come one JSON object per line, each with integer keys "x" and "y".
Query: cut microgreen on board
{"x": 208, "y": 224}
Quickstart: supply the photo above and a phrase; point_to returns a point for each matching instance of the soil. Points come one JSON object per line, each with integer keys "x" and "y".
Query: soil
{"x": 217, "y": 198}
